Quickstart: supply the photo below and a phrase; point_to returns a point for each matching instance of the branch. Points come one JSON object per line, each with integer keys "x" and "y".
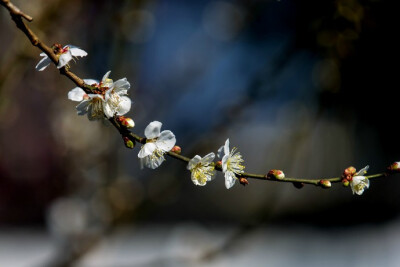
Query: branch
{"x": 18, "y": 16}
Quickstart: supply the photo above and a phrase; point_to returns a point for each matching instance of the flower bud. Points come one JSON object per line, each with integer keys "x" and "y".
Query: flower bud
{"x": 349, "y": 173}
{"x": 176, "y": 149}
{"x": 276, "y": 174}
{"x": 126, "y": 122}
{"x": 218, "y": 164}
{"x": 325, "y": 184}
{"x": 128, "y": 143}
{"x": 345, "y": 182}
{"x": 395, "y": 167}
{"x": 243, "y": 181}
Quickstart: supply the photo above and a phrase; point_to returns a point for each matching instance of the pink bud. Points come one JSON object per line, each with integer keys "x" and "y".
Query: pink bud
{"x": 276, "y": 174}
{"x": 395, "y": 167}
{"x": 176, "y": 149}
{"x": 325, "y": 183}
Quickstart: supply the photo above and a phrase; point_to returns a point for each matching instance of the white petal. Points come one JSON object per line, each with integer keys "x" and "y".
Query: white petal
{"x": 230, "y": 179}
{"x": 108, "y": 111}
{"x": 152, "y": 163}
{"x": 193, "y": 162}
{"x": 43, "y": 54}
{"x": 362, "y": 171}
{"x": 124, "y": 105}
{"x": 146, "y": 150}
{"x": 153, "y": 130}
{"x": 225, "y": 163}
{"x": 121, "y": 86}
{"x": 76, "y": 94}
{"x": 208, "y": 158}
{"x": 90, "y": 81}
{"x": 64, "y": 59}
{"x": 82, "y": 107}
{"x": 77, "y": 52}
{"x": 226, "y": 147}
{"x": 220, "y": 152}
{"x": 105, "y": 77}
{"x": 166, "y": 141}
{"x": 43, "y": 63}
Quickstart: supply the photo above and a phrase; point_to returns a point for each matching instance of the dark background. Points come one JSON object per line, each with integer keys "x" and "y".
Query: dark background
{"x": 309, "y": 87}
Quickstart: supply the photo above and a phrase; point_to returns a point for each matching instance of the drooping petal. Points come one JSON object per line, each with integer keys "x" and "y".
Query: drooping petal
{"x": 153, "y": 162}
{"x": 230, "y": 179}
{"x": 146, "y": 150}
{"x": 208, "y": 158}
{"x": 95, "y": 110}
{"x": 124, "y": 105}
{"x": 76, "y": 94}
{"x": 193, "y": 162}
{"x": 121, "y": 86}
{"x": 76, "y": 51}
{"x": 220, "y": 152}
{"x": 82, "y": 108}
{"x": 43, "y": 63}
{"x": 108, "y": 111}
{"x": 166, "y": 141}
{"x": 153, "y": 130}
{"x": 64, "y": 59}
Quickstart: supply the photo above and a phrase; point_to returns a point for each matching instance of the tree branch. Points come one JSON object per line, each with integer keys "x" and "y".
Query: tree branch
{"x": 18, "y": 16}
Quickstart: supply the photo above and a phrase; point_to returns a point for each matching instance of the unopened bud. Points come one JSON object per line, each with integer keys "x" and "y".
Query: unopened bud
{"x": 325, "y": 183}
{"x": 126, "y": 122}
{"x": 218, "y": 164}
{"x": 349, "y": 173}
{"x": 276, "y": 174}
{"x": 395, "y": 167}
{"x": 128, "y": 143}
{"x": 243, "y": 181}
{"x": 345, "y": 182}
{"x": 176, "y": 149}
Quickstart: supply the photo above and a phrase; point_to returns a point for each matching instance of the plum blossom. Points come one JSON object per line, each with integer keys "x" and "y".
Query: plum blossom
{"x": 359, "y": 182}
{"x": 108, "y": 98}
{"x": 157, "y": 144}
{"x": 64, "y": 54}
{"x": 231, "y": 164}
{"x": 201, "y": 168}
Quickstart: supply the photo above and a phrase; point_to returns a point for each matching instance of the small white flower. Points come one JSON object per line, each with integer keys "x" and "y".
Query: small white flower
{"x": 64, "y": 54}
{"x": 231, "y": 164}
{"x": 359, "y": 182}
{"x": 157, "y": 144}
{"x": 108, "y": 98}
{"x": 201, "y": 169}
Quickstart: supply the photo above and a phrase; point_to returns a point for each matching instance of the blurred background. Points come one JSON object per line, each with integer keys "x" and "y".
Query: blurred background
{"x": 308, "y": 87}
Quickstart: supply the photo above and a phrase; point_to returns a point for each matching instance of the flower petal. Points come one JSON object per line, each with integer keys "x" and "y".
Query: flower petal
{"x": 152, "y": 162}
{"x": 90, "y": 81}
{"x": 76, "y": 51}
{"x": 166, "y": 141}
{"x": 230, "y": 179}
{"x": 226, "y": 147}
{"x": 208, "y": 158}
{"x": 146, "y": 150}
{"x": 64, "y": 59}
{"x": 76, "y": 94}
{"x": 43, "y": 63}
{"x": 220, "y": 152}
{"x": 105, "y": 77}
{"x": 124, "y": 105}
{"x": 82, "y": 108}
{"x": 121, "y": 86}
{"x": 362, "y": 171}
{"x": 153, "y": 130}
{"x": 225, "y": 163}
{"x": 108, "y": 111}
{"x": 193, "y": 162}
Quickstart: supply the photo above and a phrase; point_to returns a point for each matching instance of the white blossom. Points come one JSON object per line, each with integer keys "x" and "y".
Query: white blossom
{"x": 64, "y": 54}
{"x": 157, "y": 144}
{"x": 201, "y": 169}
{"x": 231, "y": 163}
{"x": 108, "y": 98}
{"x": 359, "y": 182}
